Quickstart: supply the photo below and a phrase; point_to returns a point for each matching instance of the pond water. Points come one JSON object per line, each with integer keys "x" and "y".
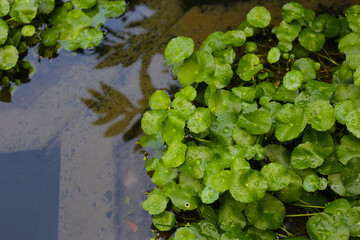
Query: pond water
{"x": 70, "y": 167}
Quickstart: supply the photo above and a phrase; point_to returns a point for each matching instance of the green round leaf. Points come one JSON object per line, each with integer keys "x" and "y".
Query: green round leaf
{"x": 209, "y": 195}
{"x": 293, "y": 80}
{"x": 234, "y": 37}
{"x": 327, "y": 227}
{"x": 242, "y": 137}
{"x": 227, "y": 55}
{"x": 311, "y": 40}
{"x": 246, "y": 94}
{"x": 89, "y": 38}
{"x": 248, "y": 185}
{"x": 285, "y": 46}
{"x": 84, "y": 4}
{"x": 313, "y": 182}
{"x": 307, "y": 66}
{"x": 349, "y": 148}
{"x": 175, "y": 154}
{"x": 249, "y": 65}
{"x": 223, "y": 101}
{"x": 322, "y": 139}
{"x": 182, "y": 199}
{"x": 248, "y": 29}
{"x": 4, "y": 8}
{"x": 223, "y": 74}
{"x": 290, "y": 122}
{"x": 235, "y": 234}
{"x": 23, "y": 11}
{"x": 338, "y": 207}
{"x": 46, "y": 6}
{"x": 173, "y": 129}
{"x": 292, "y": 11}
{"x": 230, "y": 214}
{"x": 197, "y": 68}
{"x": 320, "y": 114}
{"x": 259, "y": 17}
{"x": 163, "y": 175}
{"x": 351, "y": 218}
{"x": 257, "y": 122}
{"x": 151, "y": 122}
{"x": 8, "y": 57}
{"x": 213, "y": 43}
{"x": 353, "y": 17}
{"x": 179, "y": 49}
{"x": 273, "y": 55}
{"x": 327, "y": 24}
{"x": 276, "y": 175}
{"x": 49, "y": 37}
{"x": 221, "y": 181}
{"x": 306, "y": 155}
{"x": 266, "y": 213}
{"x": 196, "y": 160}
{"x": 293, "y": 191}
{"x": 164, "y": 221}
{"x": 184, "y": 233}
{"x": 155, "y": 203}
{"x": 159, "y": 100}
{"x": 221, "y": 129}
{"x": 277, "y": 154}
{"x": 28, "y": 30}
{"x": 353, "y": 122}
{"x": 357, "y": 77}
{"x": 250, "y": 46}
{"x": 4, "y": 30}
{"x": 287, "y": 31}
{"x": 350, "y": 43}
{"x": 200, "y": 120}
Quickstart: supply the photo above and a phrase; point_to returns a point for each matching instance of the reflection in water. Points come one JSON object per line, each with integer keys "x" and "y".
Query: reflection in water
{"x": 110, "y": 105}
{"x": 143, "y": 35}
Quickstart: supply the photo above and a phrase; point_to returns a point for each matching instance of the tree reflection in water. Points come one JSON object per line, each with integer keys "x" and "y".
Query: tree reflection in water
{"x": 138, "y": 40}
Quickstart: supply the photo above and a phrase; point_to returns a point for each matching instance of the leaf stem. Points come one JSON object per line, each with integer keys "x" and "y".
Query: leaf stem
{"x": 285, "y": 230}
{"x": 327, "y": 58}
{"x": 304, "y": 205}
{"x": 301, "y": 215}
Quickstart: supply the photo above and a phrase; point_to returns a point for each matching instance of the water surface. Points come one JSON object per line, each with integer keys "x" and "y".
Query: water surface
{"x": 70, "y": 167}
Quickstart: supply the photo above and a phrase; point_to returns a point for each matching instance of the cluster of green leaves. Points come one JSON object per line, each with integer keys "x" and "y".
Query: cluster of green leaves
{"x": 258, "y": 126}
{"x": 72, "y": 25}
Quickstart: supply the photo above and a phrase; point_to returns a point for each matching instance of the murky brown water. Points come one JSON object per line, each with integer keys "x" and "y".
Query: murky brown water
{"x": 70, "y": 167}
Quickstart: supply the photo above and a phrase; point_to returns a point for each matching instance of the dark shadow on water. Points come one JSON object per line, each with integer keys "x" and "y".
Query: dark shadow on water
{"x": 111, "y": 104}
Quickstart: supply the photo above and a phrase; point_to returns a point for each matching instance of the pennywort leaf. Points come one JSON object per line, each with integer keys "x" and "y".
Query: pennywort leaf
{"x": 178, "y": 49}
{"x": 248, "y": 185}
{"x": 249, "y": 65}
{"x": 259, "y": 17}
